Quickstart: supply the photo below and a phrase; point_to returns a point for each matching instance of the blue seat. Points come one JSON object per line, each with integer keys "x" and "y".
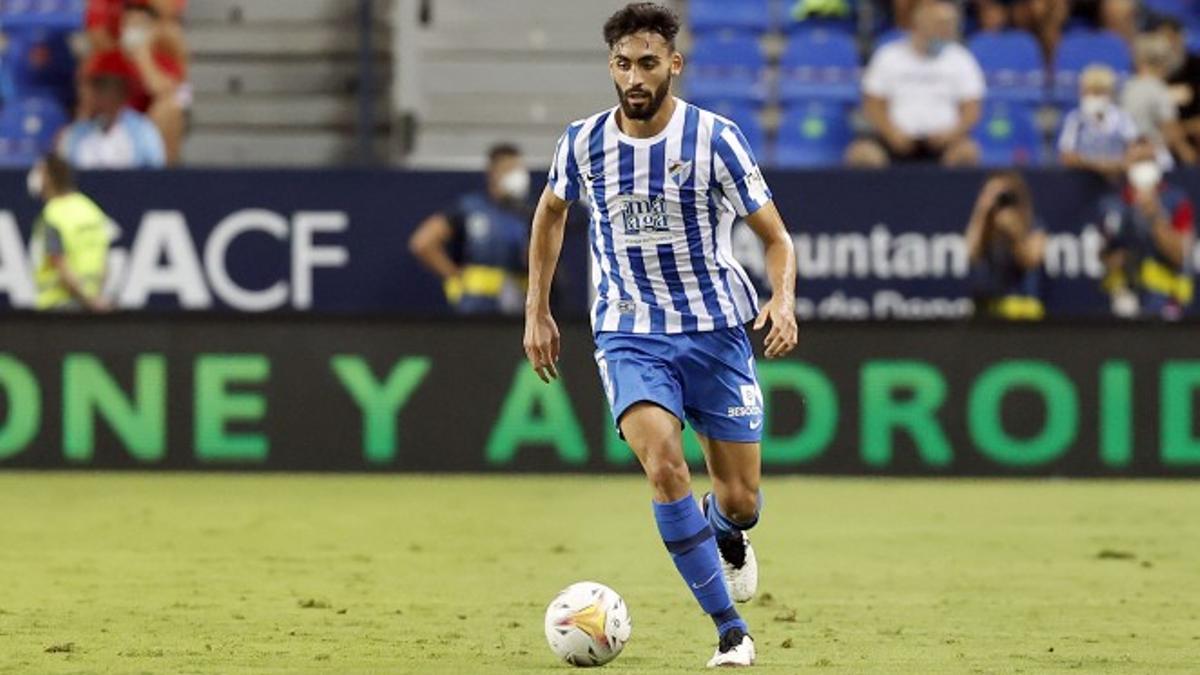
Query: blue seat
{"x": 1007, "y": 134}
{"x": 1080, "y": 49}
{"x": 39, "y": 61}
{"x": 745, "y": 116}
{"x": 61, "y": 15}
{"x": 1012, "y": 63}
{"x": 1183, "y": 10}
{"x": 27, "y": 129}
{"x": 889, "y": 36}
{"x": 726, "y": 65}
{"x": 713, "y": 15}
{"x": 815, "y": 133}
{"x": 819, "y": 64}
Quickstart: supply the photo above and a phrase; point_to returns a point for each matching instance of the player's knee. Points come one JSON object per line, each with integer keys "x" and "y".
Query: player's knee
{"x": 668, "y": 473}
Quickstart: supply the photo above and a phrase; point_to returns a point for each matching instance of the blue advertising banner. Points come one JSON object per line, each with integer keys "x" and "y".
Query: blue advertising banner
{"x": 885, "y": 245}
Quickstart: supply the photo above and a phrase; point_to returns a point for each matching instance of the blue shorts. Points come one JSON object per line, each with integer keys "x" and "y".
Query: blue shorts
{"x": 705, "y": 378}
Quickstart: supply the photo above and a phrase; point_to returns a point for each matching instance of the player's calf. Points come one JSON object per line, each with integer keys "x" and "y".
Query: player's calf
{"x": 739, "y": 565}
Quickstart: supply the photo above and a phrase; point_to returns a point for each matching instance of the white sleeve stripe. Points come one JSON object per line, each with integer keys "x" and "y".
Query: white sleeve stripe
{"x": 734, "y": 195}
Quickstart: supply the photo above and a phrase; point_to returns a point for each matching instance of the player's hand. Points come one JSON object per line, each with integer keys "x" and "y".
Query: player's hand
{"x": 784, "y": 332}
{"x": 542, "y": 344}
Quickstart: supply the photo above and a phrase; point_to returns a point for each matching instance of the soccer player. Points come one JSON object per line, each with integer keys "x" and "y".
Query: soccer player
{"x": 665, "y": 180}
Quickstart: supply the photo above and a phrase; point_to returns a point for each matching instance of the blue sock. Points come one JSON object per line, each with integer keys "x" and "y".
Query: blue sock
{"x": 690, "y": 540}
{"x": 722, "y": 524}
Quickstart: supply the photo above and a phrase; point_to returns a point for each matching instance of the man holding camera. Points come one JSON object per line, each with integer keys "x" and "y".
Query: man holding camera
{"x": 1006, "y": 246}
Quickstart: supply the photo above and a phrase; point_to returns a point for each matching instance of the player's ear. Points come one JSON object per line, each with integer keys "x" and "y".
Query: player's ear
{"x": 676, "y": 63}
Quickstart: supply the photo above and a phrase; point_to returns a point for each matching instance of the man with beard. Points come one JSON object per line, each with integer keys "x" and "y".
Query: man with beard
{"x": 477, "y": 246}
{"x": 665, "y": 181}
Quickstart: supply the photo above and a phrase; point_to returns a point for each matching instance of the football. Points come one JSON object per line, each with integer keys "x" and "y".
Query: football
{"x": 587, "y": 624}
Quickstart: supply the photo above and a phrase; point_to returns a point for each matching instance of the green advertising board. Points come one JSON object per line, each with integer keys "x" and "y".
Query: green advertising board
{"x": 301, "y": 393}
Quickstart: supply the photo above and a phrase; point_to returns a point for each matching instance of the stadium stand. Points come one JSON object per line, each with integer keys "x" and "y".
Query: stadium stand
{"x": 819, "y": 64}
{"x": 1012, "y": 62}
{"x": 1078, "y": 50}
{"x": 1008, "y": 134}
{"x": 813, "y": 134}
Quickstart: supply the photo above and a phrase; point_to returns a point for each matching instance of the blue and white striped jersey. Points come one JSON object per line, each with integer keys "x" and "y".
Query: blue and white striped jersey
{"x": 662, "y": 210}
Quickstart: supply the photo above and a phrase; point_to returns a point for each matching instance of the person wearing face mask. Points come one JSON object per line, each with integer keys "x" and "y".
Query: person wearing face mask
{"x": 142, "y": 40}
{"x": 922, "y": 95}
{"x": 1096, "y": 136}
{"x": 70, "y": 241}
{"x": 1006, "y": 245}
{"x": 1148, "y": 230}
{"x": 478, "y": 247}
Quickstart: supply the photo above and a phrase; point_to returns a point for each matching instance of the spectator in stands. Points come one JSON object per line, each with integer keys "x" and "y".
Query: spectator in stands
{"x": 1096, "y": 136}
{"x": 992, "y": 16}
{"x": 115, "y": 136}
{"x": 1006, "y": 245}
{"x": 1044, "y": 19}
{"x": 922, "y": 95}
{"x": 478, "y": 247}
{"x": 1148, "y": 230}
{"x": 145, "y": 38}
{"x": 70, "y": 241}
{"x": 1183, "y": 75}
{"x": 1147, "y": 99}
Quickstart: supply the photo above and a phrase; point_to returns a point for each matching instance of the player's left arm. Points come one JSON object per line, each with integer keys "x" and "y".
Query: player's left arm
{"x": 780, "y": 257}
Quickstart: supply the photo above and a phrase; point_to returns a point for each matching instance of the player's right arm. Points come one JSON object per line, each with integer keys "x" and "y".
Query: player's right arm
{"x": 545, "y": 245}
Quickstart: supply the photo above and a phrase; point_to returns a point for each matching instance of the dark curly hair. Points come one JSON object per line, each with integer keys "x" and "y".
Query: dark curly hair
{"x": 637, "y": 17}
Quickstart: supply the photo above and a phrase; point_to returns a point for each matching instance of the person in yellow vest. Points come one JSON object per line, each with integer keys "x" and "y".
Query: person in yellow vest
{"x": 70, "y": 241}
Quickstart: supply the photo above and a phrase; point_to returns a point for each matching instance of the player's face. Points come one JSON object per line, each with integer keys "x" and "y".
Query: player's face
{"x": 642, "y": 67}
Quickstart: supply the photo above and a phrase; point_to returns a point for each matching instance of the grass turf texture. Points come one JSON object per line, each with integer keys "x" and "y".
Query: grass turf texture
{"x": 292, "y": 574}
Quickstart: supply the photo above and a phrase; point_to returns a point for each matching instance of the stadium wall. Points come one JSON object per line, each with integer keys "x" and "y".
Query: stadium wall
{"x": 885, "y": 245}
{"x": 309, "y": 393}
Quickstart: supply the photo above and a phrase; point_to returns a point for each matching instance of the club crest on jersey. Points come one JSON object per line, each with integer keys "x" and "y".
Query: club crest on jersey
{"x": 679, "y": 171}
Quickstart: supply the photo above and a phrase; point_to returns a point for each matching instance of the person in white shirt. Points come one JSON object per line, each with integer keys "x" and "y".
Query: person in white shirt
{"x": 922, "y": 95}
{"x": 116, "y": 136}
{"x": 1097, "y": 135}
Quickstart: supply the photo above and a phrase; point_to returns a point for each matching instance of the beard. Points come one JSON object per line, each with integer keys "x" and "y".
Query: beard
{"x": 646, "y": 110}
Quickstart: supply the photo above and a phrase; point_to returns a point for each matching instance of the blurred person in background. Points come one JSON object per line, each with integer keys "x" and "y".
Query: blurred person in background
{"x": 1006, "y": 245}
{"x": 145, "y": 40}
{"x": 113, "y": 136}
{"x": 478, "y": 246}
{"x": 1147, "y": 99}
{"x": 70, "y": 241}
{"x": 922, "y": 95}
{"x": 1183, "y": 75}
{"x": 1096, "y": 135}
{"x": 1148, "y": 230}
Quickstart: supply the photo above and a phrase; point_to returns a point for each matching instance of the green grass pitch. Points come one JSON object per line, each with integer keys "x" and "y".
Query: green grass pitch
{"x": 141, "y": 573}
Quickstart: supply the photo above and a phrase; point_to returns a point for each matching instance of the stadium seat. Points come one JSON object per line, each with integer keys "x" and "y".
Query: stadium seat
{"x": 1080, "y": 49}
{"x": 1007, "y": 134}
{"x": 745, "y": 116}
{"x": 1183, "y": 10}
{"x": 819, "y": 64}
{"x": 890, "y": 36}
{"x": 752, "y": 16}
{"x": 726, "y": 65}
{"x": 39, "y": 62}
{"x": 813, "y": 134}
{"x": 1012, "y": 63}
{"x": 60, "y": 15}
{"x": 27, "y": 129}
